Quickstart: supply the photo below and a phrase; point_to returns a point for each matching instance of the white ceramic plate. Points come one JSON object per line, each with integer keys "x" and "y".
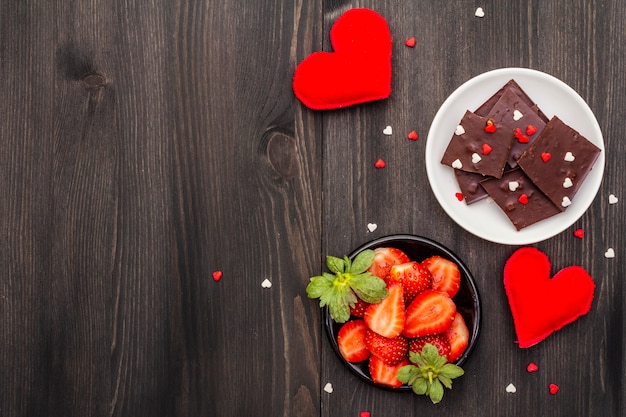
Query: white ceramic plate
{"x": 484, "y": 218}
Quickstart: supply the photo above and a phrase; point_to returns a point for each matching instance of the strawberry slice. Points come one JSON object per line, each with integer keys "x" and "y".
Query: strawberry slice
{"x": 384, "y": 374}
{"x": 432, "y": 312}
{"x": 387, "y": 317}
{"x": 358, "y": 310}
{"x": 414, "y": 278}
{"x": 351, "y": 341}
{"x": 438, "y": 340}
{"x": 445, "y": 273}
{"x": 390, "y": 350}
{"x": 458, "y": 337}
{"x": 384, "y": 259}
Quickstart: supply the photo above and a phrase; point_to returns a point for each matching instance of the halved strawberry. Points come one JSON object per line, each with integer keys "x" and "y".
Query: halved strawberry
{"x": 359, "y": 308}
{"x": 351, "y": 341}
{"x": 384, "y": 374}
{"x": 384, "y": 259}
{"x": 438, "y": 340}
{"x": 432, "y": 312}
{"x": 387, "y": 317}
{"x": 390, "y": 350}
{"x": 414, "y": 278}
{"x": 445, "y": 273}
{"x": 458, "y": 337}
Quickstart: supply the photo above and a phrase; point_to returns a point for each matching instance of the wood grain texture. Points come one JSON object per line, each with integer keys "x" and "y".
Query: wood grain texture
{"x": 145, "y": 145}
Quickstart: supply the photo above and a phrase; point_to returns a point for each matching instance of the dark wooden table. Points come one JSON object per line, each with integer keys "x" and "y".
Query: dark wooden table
{"x": 145, "y": 145}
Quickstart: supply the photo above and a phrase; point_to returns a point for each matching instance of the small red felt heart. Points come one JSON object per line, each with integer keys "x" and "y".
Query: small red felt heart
{"x": 541, "y": 305}
{"x": 359, "y": 69}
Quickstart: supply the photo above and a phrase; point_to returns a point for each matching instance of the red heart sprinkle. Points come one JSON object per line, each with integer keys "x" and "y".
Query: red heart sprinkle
{"x": 520, "y": 136}
{"x": 490, "y": 127}
{"x": 459, "y": 196}
{"x": 217, "y": 275}
{"x": 532, "y": 367}
{"x": 579, "y": 233}
{"x": 486, "y": 149}
{"x": 380, "y": 164}
{"x": 523, "y": 199}
{"x": 410, "y": 42}
{"x": 412, "y": 135}
{"x": 531, "y": 130}
{"x": 554, "y": 388}
{"x": 545, "y": 156}
{"x": 364, "y": 414}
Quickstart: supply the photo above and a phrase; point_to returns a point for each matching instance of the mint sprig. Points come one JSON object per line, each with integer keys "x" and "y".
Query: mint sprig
{"x": 430, "y": 373}
{"x": 349, "y": 278}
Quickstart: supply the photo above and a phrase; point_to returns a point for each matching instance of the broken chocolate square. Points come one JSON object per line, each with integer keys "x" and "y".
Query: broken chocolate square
{"x": 558, "y": 161}
{"x": 522, "y": 202}
{"x": 486, "y": 107}
{"x": 476, "y": 147}
{"x": 469, "y": 183}
{"x": 512, "y": 111}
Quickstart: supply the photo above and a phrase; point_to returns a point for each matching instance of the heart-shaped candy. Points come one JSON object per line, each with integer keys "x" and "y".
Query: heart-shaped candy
{"x": 359, "y": 69}
{"x": 541, "y": 305}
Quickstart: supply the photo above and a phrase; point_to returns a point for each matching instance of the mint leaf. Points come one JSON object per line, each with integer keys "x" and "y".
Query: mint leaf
{"x": 362, "y": 262}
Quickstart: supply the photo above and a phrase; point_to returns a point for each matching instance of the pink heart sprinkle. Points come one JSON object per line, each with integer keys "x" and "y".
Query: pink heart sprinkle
{"x": 532, "y": 367}
{"x": 217, "y": 275}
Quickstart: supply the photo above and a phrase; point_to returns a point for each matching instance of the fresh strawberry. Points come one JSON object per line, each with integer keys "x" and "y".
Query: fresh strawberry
{"x": 445, "y": 273}
{"x": 384, "y": 374}
{"x": 431, "y": 312}
{"x": 414, "y": 278}
{"x": 391, "y": 351}
{"x": 351, "y": 341}
{"x": 359, "y": 308}
{"x": 458, "y": 337}
{"x": 384, "y": 259}
{"x": 438, "y": 340}
{"x": 387, "y": 317}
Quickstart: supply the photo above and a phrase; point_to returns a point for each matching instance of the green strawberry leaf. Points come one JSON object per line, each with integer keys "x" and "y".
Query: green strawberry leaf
{"x": 362, "y": 262}
{"x": 348, "y": 279}
{"x": 430, "y": 374}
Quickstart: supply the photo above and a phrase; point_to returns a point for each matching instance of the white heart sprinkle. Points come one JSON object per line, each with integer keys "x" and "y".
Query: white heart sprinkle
{"x": 511, "y": 388}
{"x": 475, "y": 158}
{"x": 328, "y": 388}
{"x": 266, "y": 283}
{"x": 610, "y": 253}
{"x": 567, "y": 183}
{"x": 566, "y": 201}
{"x": 569, "y": 157}
{"x": 457, "y": 164}
{"x": 517, "y": 115}
{"x": 372, "y": 226}
{"x": 479, "y": 12}
{"x": 612, "y": 199}
{"x": 513, "y": 185}
{"x": 459, "y": 130}
{"x": 387, "y": 131}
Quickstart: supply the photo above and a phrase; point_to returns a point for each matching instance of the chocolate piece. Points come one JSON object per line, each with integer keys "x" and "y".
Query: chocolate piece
{"x": 486, "y": 107}
{"x": 510, "y": 110}
{"x": 522, "y": 202}
{"x": 558, "y": 161}
{"x": 467, "y": 149}
{"x": 469, "y": 183}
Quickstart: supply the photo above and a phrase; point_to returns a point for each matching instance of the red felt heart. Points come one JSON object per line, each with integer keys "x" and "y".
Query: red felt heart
{"x": 359, "y": 69}
{"x": 541, "y": 305}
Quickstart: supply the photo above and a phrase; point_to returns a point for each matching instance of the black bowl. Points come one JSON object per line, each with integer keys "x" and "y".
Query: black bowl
{"x": 417, "y": 249}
